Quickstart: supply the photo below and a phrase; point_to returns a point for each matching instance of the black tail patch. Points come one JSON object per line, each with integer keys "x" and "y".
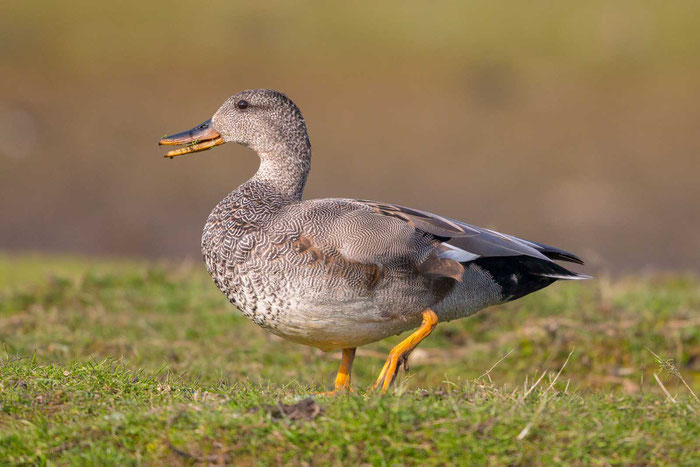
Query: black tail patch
{"x": 522, "y": 275}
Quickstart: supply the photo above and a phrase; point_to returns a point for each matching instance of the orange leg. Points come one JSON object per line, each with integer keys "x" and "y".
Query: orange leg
{"x": 342, "y": 381}
{"x": 400, "y": 353}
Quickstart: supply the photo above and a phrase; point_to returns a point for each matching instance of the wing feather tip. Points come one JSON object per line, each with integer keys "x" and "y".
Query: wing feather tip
{"x": 566, "y": 277}
{"x": 435, "y": 265}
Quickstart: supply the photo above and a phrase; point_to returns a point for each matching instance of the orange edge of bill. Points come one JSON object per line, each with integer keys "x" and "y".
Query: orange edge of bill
{"x": 196, "y": 147}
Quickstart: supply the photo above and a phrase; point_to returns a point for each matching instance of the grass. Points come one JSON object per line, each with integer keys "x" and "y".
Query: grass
{"x": 127, "y": 362}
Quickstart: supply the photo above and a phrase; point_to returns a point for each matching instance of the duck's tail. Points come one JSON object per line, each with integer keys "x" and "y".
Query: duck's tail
{"x": 521, "y": 275}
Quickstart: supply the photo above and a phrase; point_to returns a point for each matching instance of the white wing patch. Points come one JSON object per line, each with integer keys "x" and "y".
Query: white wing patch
{"x": 457, "y": 254}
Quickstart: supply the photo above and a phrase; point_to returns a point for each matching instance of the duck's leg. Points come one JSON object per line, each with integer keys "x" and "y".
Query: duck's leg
{"x": 400, "y": 353}
{"x": 342, "y": 381}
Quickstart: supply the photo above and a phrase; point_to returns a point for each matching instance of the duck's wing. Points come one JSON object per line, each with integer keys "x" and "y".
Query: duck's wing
{"x": 370, "y": 233}
{"x": 469, "y": 242}
{"x": 518, "y": 266}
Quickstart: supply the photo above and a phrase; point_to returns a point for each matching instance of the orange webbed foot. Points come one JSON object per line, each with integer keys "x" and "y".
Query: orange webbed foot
{"x": 400, "y": 353}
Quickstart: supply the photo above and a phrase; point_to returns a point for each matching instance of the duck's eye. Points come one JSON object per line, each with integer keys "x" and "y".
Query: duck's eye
{"x": 242, "y": 104}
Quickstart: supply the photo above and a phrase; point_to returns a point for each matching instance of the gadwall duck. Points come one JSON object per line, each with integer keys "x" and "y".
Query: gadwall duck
{"x": 340, "y": 273}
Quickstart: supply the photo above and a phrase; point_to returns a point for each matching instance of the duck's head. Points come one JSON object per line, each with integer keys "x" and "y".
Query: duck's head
{"x": 266, "y": 121}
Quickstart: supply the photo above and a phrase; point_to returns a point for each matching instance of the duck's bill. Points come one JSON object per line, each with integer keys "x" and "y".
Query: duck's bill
{"x": 199, "y": 138}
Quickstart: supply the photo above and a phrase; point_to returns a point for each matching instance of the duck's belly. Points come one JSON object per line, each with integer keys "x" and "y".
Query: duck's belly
{"x": 318, "y": 311}
{"x": 337, "y": 326}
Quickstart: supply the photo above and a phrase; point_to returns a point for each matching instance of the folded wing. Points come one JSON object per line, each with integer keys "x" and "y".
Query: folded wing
{"x": 519, "y": 266}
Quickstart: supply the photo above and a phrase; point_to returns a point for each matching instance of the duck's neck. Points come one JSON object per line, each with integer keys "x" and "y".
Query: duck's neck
{"x": 283, "y": 173}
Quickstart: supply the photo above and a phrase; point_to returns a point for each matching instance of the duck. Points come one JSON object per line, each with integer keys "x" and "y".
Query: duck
{"x": 340, "y": 273}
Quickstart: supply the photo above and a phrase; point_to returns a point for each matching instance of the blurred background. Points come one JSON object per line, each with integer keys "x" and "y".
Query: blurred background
{"x": 570, "y": 123}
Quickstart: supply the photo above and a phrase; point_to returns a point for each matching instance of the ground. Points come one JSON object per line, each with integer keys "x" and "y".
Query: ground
{"x": 125, "y": 362}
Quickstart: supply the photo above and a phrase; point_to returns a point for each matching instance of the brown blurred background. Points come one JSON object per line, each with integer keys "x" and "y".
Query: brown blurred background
{"x": 571, "y": 123}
